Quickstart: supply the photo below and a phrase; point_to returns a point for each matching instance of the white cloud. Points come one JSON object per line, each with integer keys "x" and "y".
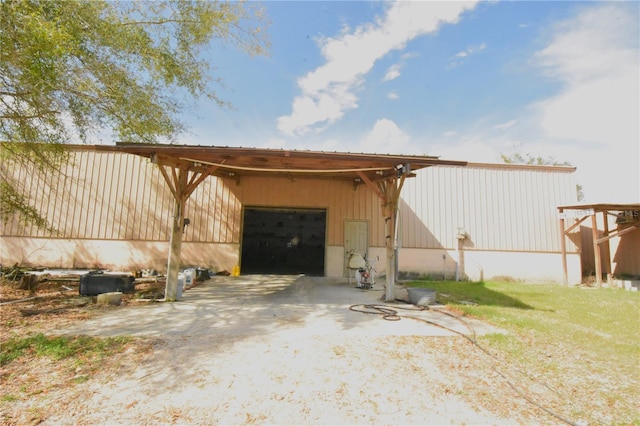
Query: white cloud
{"x": 470, "y": 50}
{"x": 328, "y": 91}
{"x": 393, "y": 95}
{"x": 458, "y": 58}
{"x": 476, "y": 149}
{"x": 386, "y": 137}
{"x": 595, "y": 56}
{"x": 392, "y": 73}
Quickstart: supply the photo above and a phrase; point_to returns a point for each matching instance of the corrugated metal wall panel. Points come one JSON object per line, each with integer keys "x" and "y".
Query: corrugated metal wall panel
{"x": 507, "y": 209}
{"x": 119, "y": 196}
{"x": 98, "y": 196}
{"x": 340, "y": 199}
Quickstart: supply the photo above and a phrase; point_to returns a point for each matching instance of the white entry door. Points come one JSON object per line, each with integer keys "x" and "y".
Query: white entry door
{"x": 356, "y": 239}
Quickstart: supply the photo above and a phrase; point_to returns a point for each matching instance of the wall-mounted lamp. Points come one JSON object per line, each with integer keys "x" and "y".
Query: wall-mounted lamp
{"x": 462, "y": 234}
{"x": 403, "y": 169}
{"x": 185, "y": 222}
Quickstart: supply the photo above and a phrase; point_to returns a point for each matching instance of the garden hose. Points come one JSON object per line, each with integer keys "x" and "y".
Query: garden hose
{"x": 389, "y": 313}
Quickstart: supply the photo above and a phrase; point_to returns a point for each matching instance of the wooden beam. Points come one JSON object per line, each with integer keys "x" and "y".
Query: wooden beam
{"x": 169, "y": 181}
{"x": 618, "y": 233}
{"x": 576, "y": 224}
{"x": 607, "y": 248}
{"x": 194, "y": 182}
{"x": 371, "y": 185}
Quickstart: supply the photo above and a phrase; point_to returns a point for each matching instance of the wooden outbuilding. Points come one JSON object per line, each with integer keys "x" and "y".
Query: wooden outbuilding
{"x": 607, "y": 222}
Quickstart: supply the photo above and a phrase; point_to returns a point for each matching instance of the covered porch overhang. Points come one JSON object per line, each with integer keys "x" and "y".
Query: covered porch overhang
{"x": 184, "y": 167}
{"x": 627, "y": 220}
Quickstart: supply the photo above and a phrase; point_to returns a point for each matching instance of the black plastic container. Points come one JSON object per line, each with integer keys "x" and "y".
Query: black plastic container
{"x": 93, "y": 284}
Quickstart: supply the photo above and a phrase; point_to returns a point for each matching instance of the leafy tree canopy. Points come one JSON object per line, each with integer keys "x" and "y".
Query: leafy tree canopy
{"x": 72, "y": 68}
{"x": 532, "y": 160}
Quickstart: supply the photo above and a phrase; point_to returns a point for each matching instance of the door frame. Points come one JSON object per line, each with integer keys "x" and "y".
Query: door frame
{"x": 347, "y": 247}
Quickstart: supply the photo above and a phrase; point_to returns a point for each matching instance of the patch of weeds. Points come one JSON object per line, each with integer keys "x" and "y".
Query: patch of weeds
{"x": 80, "y": 379}
{"x": 9, "y": 398}
{"x": 59, "y": 347}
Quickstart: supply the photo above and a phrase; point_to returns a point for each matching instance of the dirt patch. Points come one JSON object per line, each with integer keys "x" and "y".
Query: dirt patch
{"x": 268, "y": 350}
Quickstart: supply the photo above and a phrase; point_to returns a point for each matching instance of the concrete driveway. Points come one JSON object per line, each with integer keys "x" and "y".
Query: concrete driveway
{"x": 283, "y": 350}
{"x": 269, "y": 303}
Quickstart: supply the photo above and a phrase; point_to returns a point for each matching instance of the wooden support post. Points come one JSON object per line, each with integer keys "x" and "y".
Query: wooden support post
{"x": 596, "y": 249}
{"x": 391, "y": 267}
{"x": 175, "y": 244}
{"x": 607, "y": 248}
{"x": 182, "y": 186}
{"x": 391, "y": 190}
{"x": 175, "y": 248}
{"x": 563, "y": 247}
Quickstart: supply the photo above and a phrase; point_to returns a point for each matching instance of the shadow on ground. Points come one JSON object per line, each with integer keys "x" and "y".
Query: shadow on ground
{"x": 470, "y": 292}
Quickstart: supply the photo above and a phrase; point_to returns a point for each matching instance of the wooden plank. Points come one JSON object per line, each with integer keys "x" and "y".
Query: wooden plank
{"x": 596, "y": 250}
{"x": 618, "y": 233}
{"x": 607, "y": 248}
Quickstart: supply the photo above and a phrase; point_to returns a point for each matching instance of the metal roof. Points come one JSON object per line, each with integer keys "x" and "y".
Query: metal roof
{"x": 240, "y": 161}
{"x": 602, "y": 207}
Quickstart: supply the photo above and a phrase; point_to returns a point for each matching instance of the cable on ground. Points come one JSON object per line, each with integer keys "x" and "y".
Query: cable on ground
{"x": 391, "y": 314}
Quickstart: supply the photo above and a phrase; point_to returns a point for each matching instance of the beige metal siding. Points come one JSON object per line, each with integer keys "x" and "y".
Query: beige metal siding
{"x": 341, "y": 200}
{"x": 112, "y": 196}
{"x": 501, "y": 208}
{"x": 115, "y": 196}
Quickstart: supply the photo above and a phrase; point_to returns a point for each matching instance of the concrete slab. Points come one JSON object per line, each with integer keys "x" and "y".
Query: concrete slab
{"x": 275, "y": 304}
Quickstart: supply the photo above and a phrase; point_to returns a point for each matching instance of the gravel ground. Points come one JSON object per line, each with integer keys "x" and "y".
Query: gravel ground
{"x": 288, "y": 350}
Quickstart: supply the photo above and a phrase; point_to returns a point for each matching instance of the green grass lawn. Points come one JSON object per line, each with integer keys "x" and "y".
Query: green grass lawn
{"x": 582, "y": 343}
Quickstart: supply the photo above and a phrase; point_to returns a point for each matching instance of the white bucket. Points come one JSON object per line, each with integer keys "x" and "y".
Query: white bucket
{"x": 189, "y": 277}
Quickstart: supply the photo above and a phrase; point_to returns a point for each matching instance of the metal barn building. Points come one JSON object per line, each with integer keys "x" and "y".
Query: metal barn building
{"x": 277, "y": 211}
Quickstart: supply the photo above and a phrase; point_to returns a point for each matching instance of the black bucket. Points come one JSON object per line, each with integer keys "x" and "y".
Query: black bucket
{"x": 93, "y": 284}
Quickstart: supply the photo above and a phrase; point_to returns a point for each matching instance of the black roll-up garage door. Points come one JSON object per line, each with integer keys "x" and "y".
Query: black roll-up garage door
{"x": 283, "y": 241}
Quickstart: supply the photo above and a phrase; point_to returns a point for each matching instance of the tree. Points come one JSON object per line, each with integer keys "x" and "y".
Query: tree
{"x": 70, "y": 69}
{"x": 531, "y": 160}
{"x": 540, "y": 161}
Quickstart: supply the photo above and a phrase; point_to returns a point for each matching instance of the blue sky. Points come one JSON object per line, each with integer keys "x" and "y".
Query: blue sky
{"x": 465, "y": 81}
